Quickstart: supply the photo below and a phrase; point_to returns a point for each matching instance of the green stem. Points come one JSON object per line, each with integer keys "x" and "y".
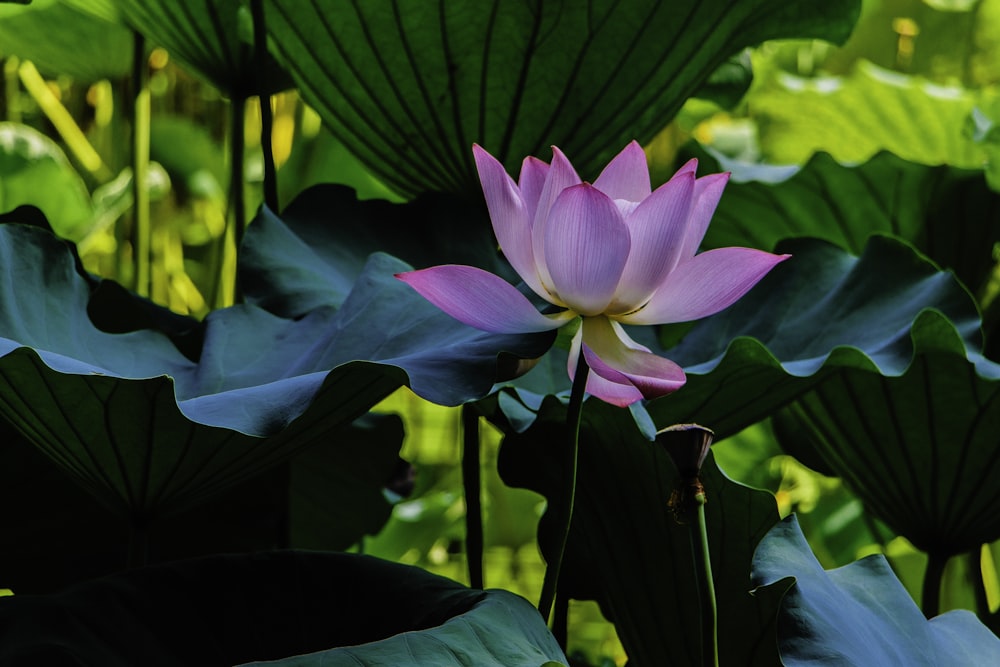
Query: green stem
{"x": 472, "y": 481}
{"x": 237, "y": 176}
{"x": 560, "y": 621}
{"x": 709, "y": 609}
{"x": 569, "y": 487}
{"x": 237, "y": 214}
{"x": 930, "y": 600}
{"x": 142, "y": 232}
{"x": 63, "y": 122}
{"x": 266, "y": 114}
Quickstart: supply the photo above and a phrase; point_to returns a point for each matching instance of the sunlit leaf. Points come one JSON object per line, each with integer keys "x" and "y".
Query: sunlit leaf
{"x": 35, "y": 171}
{"x": 860, "y": 614}
{"x": 91, "y": 45}
{"x": 235, "y": 609}
{"x": 408, "y": 87}
{"x": 856, "y": 116}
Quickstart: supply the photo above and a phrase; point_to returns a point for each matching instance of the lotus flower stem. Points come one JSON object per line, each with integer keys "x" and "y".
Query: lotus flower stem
{"x": 266, "y": 117}
{"x": 472, "y": 481}
{"x": 569, "y": 486}
{"x": 709, "y": 609}
{"x": 687, "y": 446}
{"x": 141, "y": 229}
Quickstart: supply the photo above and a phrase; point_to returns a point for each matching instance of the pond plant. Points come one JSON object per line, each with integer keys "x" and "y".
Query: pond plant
{"x": 749, "y": 361}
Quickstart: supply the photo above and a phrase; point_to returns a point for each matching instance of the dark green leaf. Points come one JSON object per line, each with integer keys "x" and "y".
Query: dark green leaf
{"x": 920, "y": 448}
{"x": 226, "y": 610}
{"x": 820, "y": 311}
{"x": 727, "y": 85}
{"x": 948, "y": 213}
{"x": 626, "y": 550}
{"x": 337, "y": 490}
{"x": 207, "y": 37}
{"x": 306, "y": 258}
{"x": 860, "y": 614}
{"x": 148, "y": 429}
{"x": 408, "y": 87}
{"x": 320, "y": 158}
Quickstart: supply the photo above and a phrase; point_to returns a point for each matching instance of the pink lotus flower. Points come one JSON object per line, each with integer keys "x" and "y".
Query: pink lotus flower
{"x": 610, "y": 253}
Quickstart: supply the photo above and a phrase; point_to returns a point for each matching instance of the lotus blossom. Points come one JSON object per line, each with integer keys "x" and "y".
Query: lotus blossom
{"x": 609, "y": 253}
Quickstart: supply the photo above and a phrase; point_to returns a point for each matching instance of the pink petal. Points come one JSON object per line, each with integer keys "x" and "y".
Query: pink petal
{"x": 617, "y": 358}
{"x": 531, "y": 182}
{"x": 689, "y": 167}
{"x": 586, "y": 247}
{"x": 621, "y": 395}
{"x": 480, "y": 299}
{"x": 626, "y": 176}
{"x": 560, "y": 176}
{"x": 509, "y": 215}
{"x": 657, "y": 230}
{"x": 705, "y": 284}
{"x": 707, "y": 192}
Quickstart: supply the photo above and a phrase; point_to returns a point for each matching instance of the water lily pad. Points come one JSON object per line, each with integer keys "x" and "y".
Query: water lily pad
{"x": 860, "y": 614}
{"x": 408, "y": 87}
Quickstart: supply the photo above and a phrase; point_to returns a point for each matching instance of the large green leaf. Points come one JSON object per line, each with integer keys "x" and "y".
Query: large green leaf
{"x": 329, "y": 496}
{"x": 212, "y": 37}
{"x": 502, "y": 630}
{"x": 856, "y": 116}
{"x": 64, "y": 38}
{"x": 860, "y": 614}
{"x": 337, "y": 494}
{"x": 626, "y": 550}
{"x": 408, "y": 87}
{"x": 303, "y": 260}
{"x": 919, "y": 448}
{"x": 149, "y": 430}
{"x": 226, "y": 610}
{"x": 946, "y": 212}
